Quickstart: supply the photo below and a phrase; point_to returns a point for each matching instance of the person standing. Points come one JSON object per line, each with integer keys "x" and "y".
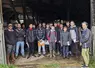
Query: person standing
{"x": 47, "y": 31}
{"x": 52, "y": 38}
{"x": 20, "y": 34}
{"x": 30, "y": 38}
{"x": 85, "y": 40}
{"x": 68, "y": 25}
{"x": 75, "y": 39}
{"x": 10, "y": 39}
{"x": 57, "y": 29}
{"x": 41, "y": 38}
{"x": 65, "y": 40}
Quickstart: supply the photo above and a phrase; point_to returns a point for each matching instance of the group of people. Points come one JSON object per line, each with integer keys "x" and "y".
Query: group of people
{"x": 53, "y": 39}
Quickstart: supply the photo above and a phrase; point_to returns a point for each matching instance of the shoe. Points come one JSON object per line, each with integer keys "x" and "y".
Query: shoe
{"x": 33, "y": 55}
{"x": 23, "y": 56}
{"x": 28, "y": 57}
{"x": 39, "y": 55}
{"x": 44, "y": 54}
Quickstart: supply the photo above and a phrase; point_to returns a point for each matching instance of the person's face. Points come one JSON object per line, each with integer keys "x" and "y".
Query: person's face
{"x": 33, "y": 26}
{"x": 65, "y": 29}
{"x": 72, "y": 23}
{"x": 47, "y": 26}
{"x": 19, "y": 26}
{"x": 30, "y": 26}
{"x": 23, "y": 26}
{"x": 51, "y": 24}
{"x": 15, "y": 25}
{"x": 10, "y": 27}
{"x": 39, "y": 25}
{"x": 52, "y": 28}
{"x": 68, "y": 24}
{"x": 55, "y": 24}
{"x": 84, "y": 26}
{"x": 44, "y": 24}
{"x": 61, "y": 26}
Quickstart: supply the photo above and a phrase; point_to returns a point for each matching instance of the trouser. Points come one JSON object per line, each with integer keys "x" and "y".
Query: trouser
{"x": 18, "y": 45}
{"x": 52, "y": 48}
{"x": 65, "y": 50}
{"x": 41, "y": 46}
{"x": 75, "y": 49}
{"x": 85, "y": 55}
{"x": 31, "y": 48}
{"x": 58, "y": 46}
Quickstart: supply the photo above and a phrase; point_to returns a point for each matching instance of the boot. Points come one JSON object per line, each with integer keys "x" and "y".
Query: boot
{"x": 53, "y": 53}
{"x": 8, "y": 59}
{"x": 13, "y": 58}
{"x": 50, "y": 53}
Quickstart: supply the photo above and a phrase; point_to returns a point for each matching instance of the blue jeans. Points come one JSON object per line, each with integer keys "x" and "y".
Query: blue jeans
{"x": 18, "y": 45}
{"x": 65, "y": 50}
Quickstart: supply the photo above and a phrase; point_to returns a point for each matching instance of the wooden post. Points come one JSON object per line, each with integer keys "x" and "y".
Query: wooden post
{"x": 2, "y": 42}
{"x": 92, "y": 3}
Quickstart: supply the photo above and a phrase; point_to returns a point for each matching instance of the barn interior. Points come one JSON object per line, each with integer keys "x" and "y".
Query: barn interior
{"x": 37, "y": 11}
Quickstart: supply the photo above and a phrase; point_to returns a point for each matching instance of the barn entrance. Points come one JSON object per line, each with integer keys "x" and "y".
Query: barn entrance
{"x": 37, "y": 11}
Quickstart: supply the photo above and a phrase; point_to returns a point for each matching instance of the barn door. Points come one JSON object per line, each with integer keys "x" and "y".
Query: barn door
{"x": 2, "y": 42}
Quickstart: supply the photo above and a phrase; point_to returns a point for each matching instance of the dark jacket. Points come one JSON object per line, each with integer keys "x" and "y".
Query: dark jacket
{"x": 47, "y": 31}
{"x": 10, "y": 37}
{"x": 30, "y": 36}
{"x": 57, "y": 29}
{"x": 40, "y": 34}
{"x": 64, "y": 38}
{"x": 86, "y": 38}
{"x": 20, "y": 34}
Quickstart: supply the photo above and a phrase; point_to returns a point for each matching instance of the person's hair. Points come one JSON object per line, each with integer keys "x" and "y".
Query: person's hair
{"x": 10, "y": 25}
{"x": 85, "y": 23}
{"x": 65, "y": 26}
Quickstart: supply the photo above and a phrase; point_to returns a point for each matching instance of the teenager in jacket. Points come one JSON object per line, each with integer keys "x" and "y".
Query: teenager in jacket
{"x": 30, "y": 38}
{"x": 10, "y": 38}
{"x": 65, "y": 40}
{"x": 57, "y": 29}
{"x": 20, "y": 34}
{"x": 52, "y": 38}
{"x": 85, "y": 40}
{"x": 41, "y": 38}
{"x": 75, "y": 39}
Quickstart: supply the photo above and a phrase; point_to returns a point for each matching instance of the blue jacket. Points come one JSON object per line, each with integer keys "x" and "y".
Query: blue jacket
{"x": 86, "y": 38}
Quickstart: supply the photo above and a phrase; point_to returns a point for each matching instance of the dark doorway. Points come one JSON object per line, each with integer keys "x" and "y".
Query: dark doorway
{"x": 50, "y": 10}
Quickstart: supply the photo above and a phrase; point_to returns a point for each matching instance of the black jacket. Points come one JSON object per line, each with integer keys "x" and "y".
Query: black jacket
{"x": 30, "y": 36}
{"x": 57, "y": 29}
{"x": 20, "y": 34}
{"x": 10, "y": 37}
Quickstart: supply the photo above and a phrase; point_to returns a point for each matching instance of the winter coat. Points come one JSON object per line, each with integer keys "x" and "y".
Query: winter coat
{"x": 20, "y": 34}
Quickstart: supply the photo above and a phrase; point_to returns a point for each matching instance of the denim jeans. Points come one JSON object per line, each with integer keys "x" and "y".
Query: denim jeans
{"x": 65, "y": 50}
{"x": 18, "y": 45}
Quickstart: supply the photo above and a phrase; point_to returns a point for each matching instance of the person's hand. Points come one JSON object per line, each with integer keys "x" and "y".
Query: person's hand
{"x": 59, "y": 41}
{"x": 80, "y": 44}
{"x": 55, "y": 40}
